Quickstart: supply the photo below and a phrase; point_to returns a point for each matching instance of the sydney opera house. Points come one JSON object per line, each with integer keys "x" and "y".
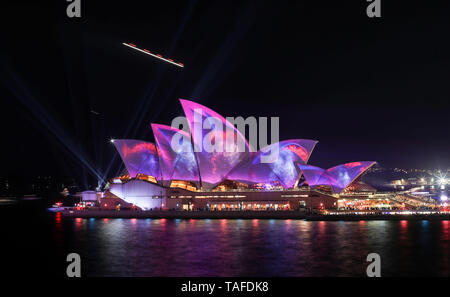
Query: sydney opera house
{"x": 160, "y": 177}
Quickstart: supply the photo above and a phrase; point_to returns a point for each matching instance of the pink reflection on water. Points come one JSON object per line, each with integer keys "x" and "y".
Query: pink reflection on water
{"x": 445, "y": 230}
{"x": 445, "y": 237}
{"x": 78, "y": 223}
{"x": 58, "y": 218}
{"x": 322, "y": 226}
{"x": 133, "y": 222}
{"x": 404, "y": 236}
{"x": 288, "y": 223}
{"x": 362, "y": 225}
{"x": 403, "y": 228}
{"x": 223, "y": 225}
{"x": 58, "y": 229}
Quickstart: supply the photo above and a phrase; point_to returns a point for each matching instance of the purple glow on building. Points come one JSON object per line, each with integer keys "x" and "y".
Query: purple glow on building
{"x": 139, "y": 157}
{"x": 166, "y": 162}
{"x": 175, "y": 165}
{"x": 314, "y": 175}
{"x": 213, "y": 166}
{"x": 140, "y": 193}
{"x": 283, "y": 169}
{"x": 338, "y": 177}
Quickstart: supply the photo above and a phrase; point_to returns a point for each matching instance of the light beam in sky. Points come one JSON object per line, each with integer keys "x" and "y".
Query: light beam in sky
{"x": 145, "y": 51}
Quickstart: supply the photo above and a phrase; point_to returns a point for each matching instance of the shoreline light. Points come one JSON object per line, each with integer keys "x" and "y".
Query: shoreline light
{"x": 145, "y": 51}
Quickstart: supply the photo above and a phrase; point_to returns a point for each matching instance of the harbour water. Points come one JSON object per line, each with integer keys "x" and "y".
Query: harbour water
{"x": 37, "y": 243}
{"x": 132, "y": 247}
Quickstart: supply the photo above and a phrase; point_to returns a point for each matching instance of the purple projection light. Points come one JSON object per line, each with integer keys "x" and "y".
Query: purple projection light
{"x": 338, "y": 177}
{"x": 283, "y": 169}
{"x": 139, "y": 157}
{"x": 187, "y": 157}
{"x": 175, "y": 165}
{"x": 213, "y": 166}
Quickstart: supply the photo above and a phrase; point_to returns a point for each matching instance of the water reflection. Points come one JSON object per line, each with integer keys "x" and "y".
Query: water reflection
{"x": 161, "y": 247}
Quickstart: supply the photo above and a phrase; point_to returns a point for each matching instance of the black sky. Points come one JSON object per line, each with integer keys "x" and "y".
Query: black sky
{"x": 367, "y": 89}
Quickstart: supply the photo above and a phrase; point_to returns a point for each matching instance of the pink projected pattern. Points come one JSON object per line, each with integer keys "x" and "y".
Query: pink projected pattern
{"x": 213, "y": 166}
{"x": 165, "y": 162}
{"x": 283, "y": 169}
{"x": 175, "y": 165}
{"x": 139, "y": 157}
{"x": 338, "y": 177}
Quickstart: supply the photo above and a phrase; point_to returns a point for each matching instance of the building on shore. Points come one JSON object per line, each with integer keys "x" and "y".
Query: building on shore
{"x": 159, "y": 176}
{"x": 148, "y": 195}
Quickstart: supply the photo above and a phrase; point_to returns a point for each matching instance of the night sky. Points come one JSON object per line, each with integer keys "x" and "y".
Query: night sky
{"x": 366, "y": 89}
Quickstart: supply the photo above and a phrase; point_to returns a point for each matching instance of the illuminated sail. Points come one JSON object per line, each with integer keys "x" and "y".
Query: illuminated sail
{"x": 178, "y": 163}
{"x": 139, "y": 157}
{"x": 338, "y": 177}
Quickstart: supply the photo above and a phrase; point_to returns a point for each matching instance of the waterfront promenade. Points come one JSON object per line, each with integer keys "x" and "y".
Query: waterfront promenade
{"x": 164, "y": 214}
{"x": 173, "y": 214}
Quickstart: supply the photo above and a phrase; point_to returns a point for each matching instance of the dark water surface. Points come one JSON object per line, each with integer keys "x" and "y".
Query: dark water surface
{"x": 146, "y": 247}
{"x": 162, "y": 247}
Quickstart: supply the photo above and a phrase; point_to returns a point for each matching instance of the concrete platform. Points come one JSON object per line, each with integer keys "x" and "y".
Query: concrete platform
{"x": 156, "y": 214}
